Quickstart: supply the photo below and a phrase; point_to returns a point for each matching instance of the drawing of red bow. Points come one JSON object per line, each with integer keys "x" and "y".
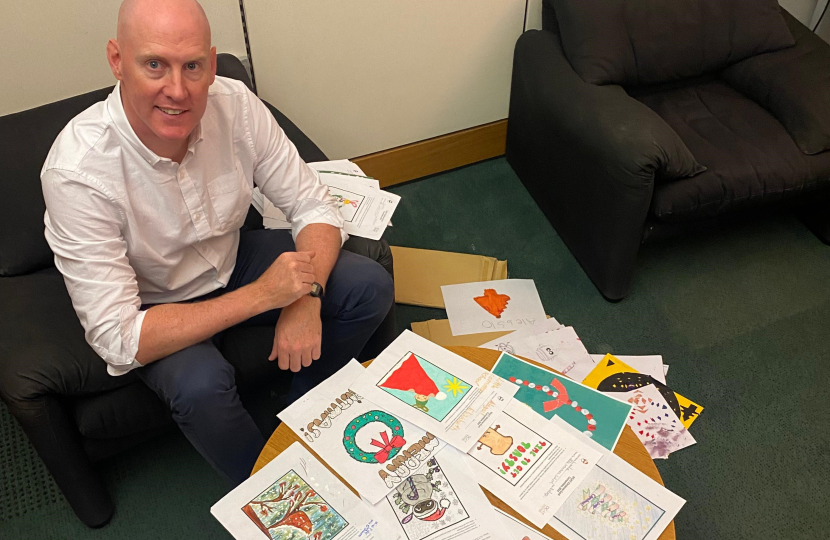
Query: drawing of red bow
{"x": 387, "y": 446}
{"x": 561, "y": 399}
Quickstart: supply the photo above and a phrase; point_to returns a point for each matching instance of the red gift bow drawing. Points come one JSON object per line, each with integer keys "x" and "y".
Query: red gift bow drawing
{"x": 387, "y": 446}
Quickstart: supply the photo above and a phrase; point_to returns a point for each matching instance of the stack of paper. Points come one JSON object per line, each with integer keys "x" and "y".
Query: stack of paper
{"x": 366, "y": 209}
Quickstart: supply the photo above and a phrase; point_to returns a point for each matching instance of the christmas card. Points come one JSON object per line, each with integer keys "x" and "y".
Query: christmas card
{"x": 369, "y": 447}
{"x": 441, "y": 501}
{"x": 596, "y": 415}
{"x": 655, "y": 424}
{"x": 437, "y": 390}
{"x": 615, "y": 501}
{"x": 490, "y": 306}
{"x": 295, "y": 497}
{"x": 529, "y": 463}
{"x": 612, "y": 375}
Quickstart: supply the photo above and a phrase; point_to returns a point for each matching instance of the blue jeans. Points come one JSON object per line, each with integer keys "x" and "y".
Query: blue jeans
{"x": 198, "y": 384}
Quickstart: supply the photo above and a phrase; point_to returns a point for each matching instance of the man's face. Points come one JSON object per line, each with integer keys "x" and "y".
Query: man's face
{"x": 166, "y": 67}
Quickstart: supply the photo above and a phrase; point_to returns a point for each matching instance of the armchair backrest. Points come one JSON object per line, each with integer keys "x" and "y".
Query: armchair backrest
{"x": 644, "y": 42}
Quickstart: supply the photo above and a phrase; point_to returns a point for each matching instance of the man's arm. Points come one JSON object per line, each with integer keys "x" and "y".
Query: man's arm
{"x": 169, "y": 328}
{"x": 298, "y": 333}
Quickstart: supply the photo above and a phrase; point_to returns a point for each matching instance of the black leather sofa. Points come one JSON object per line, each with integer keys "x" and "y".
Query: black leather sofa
{"x": 632, "y": 120}
{"x": 52, "y": 382}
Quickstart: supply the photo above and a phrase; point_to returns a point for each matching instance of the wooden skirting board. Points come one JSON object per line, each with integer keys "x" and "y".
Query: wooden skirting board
{"x": 435, "y": 155}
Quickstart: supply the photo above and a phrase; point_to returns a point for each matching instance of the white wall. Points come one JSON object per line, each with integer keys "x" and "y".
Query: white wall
{"x": 361, "y": 76}
{"x": 53, "y": 49}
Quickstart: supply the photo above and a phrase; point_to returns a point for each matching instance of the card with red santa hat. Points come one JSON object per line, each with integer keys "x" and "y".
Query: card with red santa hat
{"x": 369, "y": 447}
{"x": 435, "y": 389}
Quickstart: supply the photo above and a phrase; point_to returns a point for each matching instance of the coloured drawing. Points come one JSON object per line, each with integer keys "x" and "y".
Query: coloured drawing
{"x": 291, "y": 510}
{"x": 425, "y": 503}
{"x": 604, "y": 508}
{"x": 594, "y": 414}
{"x": 425, "y": 386}
{"x": 510, "y": 449}
{"x": 349, "y": 202}
{"x": 492, "y": 302}
{"x": 374, "y": 437}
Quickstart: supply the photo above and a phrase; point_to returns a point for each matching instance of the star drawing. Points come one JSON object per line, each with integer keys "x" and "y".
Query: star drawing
{"x": 455, "y": 386}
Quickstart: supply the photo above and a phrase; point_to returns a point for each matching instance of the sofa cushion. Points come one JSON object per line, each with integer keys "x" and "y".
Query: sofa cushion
{"x": 25, "y": 140}
{"x": 130, "y": 410}
{"x": 793, "y": 84}
{"x": 640, "y": 42}
{"x": 751, "y": 160}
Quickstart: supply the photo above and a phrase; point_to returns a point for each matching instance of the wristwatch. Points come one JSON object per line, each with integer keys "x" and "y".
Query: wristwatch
{"x": 316, "y": 290}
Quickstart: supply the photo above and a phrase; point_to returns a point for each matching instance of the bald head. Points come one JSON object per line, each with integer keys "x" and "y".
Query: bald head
{"x": 173, "y": 18}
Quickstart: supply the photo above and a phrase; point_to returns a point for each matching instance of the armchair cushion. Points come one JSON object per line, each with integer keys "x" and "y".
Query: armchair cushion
{"x": 751, "y": 159}
{"x": 640, "y": 42}
{"x": 793, "y": 84}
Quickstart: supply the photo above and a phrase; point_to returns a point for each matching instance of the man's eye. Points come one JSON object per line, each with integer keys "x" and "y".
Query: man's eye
{"x": 153, "y": 64}
{"x": 191, "y": 66}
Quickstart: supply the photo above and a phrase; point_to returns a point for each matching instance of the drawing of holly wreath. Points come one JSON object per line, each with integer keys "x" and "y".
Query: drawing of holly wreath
{"x": 388, "y": 448}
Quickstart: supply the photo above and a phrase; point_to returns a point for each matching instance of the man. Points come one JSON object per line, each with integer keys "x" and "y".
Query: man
{"x": 145, "y": 194}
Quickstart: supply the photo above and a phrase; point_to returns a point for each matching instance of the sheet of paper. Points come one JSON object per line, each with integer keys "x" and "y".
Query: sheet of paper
{"x": 487, "y": 306}
{"x": 665, "y": 369}
{"x": 516, "y": 530}
{"x": 339, "y": 166}
{"x": 613, "y": 375}
{"x": 441, "y": 501}
{"x": 295, "y": 496}
{"x": 615, "y": 501}
{"x": 366, "y": 445}
{"x": 435, "y": 389}
{"x": 505, "y": 343}
{"x": 596, "y": 415}
{"x": 560, "y": 349}
{"x": 655, "y": 424}
{"x": 529, "y": 463}
{"x": 366, "y": 210}
{"x": 649, "y": 364}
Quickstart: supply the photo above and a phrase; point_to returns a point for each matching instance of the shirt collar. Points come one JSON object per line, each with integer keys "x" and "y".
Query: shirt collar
{"x": 122, "y": 124}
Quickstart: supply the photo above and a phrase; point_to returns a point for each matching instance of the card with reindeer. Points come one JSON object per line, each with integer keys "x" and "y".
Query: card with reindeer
{"x": 295, "y": 497}
{"x": 529, "y": 463}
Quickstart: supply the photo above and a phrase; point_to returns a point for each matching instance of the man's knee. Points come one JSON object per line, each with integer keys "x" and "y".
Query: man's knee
{"x": 371, "y": 286}
{"x": 203, "y": 388}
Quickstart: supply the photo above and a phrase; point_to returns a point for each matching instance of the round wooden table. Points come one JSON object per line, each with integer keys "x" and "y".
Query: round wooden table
{"x": 628, "y": 447}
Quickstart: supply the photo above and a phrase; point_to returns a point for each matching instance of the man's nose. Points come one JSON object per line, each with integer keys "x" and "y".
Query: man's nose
{"x": 175, "y": 88}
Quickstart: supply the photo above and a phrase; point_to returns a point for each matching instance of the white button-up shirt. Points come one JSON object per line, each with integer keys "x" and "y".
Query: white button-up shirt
{"x": 128, "y": 227}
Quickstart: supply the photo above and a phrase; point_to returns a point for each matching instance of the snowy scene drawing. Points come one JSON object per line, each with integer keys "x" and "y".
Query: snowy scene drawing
{"x": 425, "y": 386}
{"x": 425, "y": 503}
{"x": 291, "y": 510}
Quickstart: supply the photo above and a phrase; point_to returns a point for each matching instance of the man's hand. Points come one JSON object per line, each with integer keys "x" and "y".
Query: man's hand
{"x": 298, "y": 334}
{"x": 287, "y": 279}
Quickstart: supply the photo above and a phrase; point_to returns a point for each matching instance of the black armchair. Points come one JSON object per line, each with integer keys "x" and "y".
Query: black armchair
{"x": 627, "y": 122}
{"x": 52, "y": 382}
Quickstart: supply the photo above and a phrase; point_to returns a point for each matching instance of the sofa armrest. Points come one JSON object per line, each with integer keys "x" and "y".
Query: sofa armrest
{"x": 588, "y": 155}
{"x": 793, "y": 84}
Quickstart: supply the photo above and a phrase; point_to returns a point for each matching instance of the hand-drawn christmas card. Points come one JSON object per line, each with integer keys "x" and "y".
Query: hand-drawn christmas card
{"x": 651, "y": 364}
{"x": 516, "y": 530}
{"x": 549, "y": 394}
{"x": 615, "y": 502}
{"x": 560, "y": 349}
{"x": 295, "y": 497}
{"x": 431, "y": 387}
{"x": 655, "y": 424}
{"x": 488, "y": 306}
{"x": 441, "y": 501}
{"x": 614, "y": 375}
{"x": 529, "y": 463}
{"x": 366, "y": 445}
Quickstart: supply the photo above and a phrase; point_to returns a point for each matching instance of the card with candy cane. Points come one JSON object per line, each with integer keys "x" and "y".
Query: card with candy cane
{"x": 655, "y": 423}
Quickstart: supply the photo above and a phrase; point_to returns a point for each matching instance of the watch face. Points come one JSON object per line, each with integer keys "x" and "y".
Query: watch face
{"x": 316, "y": 290}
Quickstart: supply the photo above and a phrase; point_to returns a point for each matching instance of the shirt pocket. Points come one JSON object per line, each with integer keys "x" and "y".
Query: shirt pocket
{"x": 230, "y": 196}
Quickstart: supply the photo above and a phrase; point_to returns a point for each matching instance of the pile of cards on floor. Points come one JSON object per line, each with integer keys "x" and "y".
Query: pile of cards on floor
{"x": 419, "y": 432}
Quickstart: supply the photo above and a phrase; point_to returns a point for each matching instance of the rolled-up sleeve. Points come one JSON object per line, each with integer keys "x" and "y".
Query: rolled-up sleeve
{"x": 83, "y": 228}
{"x": 284, "y": 178}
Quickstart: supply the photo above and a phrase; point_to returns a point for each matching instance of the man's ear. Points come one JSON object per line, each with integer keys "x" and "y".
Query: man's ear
{"x": 212, "y": 64}
{"x": 114, "y": 58}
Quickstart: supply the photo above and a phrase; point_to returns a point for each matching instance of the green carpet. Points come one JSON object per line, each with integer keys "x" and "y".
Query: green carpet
{"x": 740, "y": 315}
